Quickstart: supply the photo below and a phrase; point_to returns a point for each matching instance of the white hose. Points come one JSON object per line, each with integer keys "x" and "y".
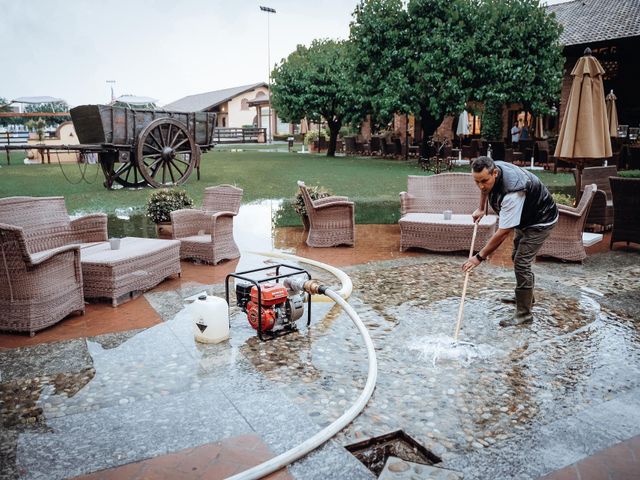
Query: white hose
{"x": 347, "y": 285}
{"x": 347, "y": 417}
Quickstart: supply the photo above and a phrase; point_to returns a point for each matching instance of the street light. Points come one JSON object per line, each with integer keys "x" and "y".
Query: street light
{"x": 269, "y": 10}
{"x": 112, "y": 82}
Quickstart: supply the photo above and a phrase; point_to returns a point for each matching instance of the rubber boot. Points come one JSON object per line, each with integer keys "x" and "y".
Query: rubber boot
{"x": 524, "y": 302}
{"x": 511, "y": 300}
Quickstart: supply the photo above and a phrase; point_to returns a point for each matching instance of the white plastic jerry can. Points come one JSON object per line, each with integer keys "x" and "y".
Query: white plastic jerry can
{"x": 210, "y": 317}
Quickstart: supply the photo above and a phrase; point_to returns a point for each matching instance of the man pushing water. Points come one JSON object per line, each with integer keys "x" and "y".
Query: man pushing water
{"x": 524, "y": 205}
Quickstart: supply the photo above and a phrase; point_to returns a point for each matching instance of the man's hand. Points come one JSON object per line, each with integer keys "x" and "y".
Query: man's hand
{"x": 470, "y": 264}
{"x": 477, "y": 215}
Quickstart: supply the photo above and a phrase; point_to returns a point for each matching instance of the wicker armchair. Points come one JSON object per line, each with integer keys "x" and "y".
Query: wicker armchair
{"x": 565, "y": 241}
{"x": 207, "y": 234}
{"x": 601, "y": 212}
{"x": 470, "y": 151}
{"x": 331, "y": 220}
{"x": 626, "y": 208}
{"x": 40, "y": 265}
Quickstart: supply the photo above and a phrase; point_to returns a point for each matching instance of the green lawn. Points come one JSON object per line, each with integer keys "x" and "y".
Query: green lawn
{"x": 372, "y": 183}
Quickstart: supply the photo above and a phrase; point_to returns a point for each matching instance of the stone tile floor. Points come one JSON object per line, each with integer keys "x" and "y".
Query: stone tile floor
{"x": 125, "y": 392}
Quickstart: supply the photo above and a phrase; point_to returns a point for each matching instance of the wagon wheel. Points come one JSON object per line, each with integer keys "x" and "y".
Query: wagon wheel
{"x": 166, "y": 153}
{"x": 128, "y": 176}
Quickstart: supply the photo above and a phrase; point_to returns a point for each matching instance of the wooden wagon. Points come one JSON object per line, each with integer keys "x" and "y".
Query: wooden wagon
{"x": 136, "y": 148}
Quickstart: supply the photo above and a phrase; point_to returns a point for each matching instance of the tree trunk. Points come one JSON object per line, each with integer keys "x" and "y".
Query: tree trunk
{"x": 428, "y": 124}
{"x": 334, "y": 129}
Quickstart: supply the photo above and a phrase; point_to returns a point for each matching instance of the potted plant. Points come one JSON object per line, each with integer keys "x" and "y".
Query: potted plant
{"x": 161, "y": 203}
{"x": 564, "y": 199}
{"x": 315, "y": 192}
{"x": 316, "y": 141}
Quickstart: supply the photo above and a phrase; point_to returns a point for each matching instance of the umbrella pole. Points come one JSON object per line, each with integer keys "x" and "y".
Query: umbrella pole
{"x": 579, "y": 169}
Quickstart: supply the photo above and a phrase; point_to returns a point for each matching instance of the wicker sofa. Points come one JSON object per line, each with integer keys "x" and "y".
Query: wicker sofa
{"x": 40, "y": 265}
{"x": 422, "y": 223}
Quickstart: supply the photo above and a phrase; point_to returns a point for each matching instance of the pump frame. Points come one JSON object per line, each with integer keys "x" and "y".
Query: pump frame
{"x": 257, "y": 282}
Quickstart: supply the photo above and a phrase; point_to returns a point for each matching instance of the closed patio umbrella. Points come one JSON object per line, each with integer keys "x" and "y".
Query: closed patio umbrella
{"x": 612, "y": 114}
{"x": 463, "y": 124}
{"x": 462, "y": 130}
{"x": 539, "y": 131}
{"x": 584, "y": 133}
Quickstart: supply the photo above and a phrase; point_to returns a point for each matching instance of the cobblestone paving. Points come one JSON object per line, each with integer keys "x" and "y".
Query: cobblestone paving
{"x": 582, "y": 349}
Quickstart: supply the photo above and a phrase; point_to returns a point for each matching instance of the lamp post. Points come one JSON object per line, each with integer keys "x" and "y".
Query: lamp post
{"x": 112, "y": 82}
{"x": 269, "y": 10}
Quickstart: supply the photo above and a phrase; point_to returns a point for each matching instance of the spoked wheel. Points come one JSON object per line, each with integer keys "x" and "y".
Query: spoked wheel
{"x": 166, "y": 153}
{"x": 128, "y": 176}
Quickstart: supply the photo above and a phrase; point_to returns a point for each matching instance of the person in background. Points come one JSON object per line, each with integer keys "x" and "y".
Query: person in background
{"x": 515, "y": 132}
{"x": 524, "y": 132}
{"x": 525, "y": 206}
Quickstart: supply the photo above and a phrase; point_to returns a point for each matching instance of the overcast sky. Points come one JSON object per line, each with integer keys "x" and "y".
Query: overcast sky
{"x": 165, "y": 49}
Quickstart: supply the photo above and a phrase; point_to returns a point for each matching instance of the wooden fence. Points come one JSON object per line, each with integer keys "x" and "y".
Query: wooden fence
{"x": 240, "y": 135}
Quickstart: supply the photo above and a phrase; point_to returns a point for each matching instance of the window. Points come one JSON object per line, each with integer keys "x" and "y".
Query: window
{"x": 244, "y": 104}
{"x": 224, "y": 122}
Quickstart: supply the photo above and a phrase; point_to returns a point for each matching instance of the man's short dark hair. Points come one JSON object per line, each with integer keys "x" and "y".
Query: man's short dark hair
{"x": 481, "y": 163}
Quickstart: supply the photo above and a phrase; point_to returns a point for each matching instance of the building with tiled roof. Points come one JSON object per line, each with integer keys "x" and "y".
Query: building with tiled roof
{"x": 230, "y": 104}
{"x": 588, "y": 21}
{"x": 611, "y": 29}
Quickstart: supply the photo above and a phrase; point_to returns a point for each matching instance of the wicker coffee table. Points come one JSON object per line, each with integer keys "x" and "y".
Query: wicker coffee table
{"x": 138, "y": 265}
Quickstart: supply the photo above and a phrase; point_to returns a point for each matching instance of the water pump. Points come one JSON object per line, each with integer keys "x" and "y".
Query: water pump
{"x": 272, "y": 308}
{"x": 279, "y": 306}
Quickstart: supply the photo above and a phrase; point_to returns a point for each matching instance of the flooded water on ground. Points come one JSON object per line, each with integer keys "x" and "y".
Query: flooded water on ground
{"x": 583, "y": 349}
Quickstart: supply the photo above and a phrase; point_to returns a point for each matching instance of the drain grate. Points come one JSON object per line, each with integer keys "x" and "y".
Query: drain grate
{"x": 374, "y": 452}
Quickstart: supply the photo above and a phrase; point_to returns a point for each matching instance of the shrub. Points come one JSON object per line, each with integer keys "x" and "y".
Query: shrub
{"x": 564, "y": 199}
{"x": 162, "y": 202}
{"x": 629, "y": 173}
{"x": 348, "y": 131}
{"x": 312, "y": 135}
{"x": 314, "y": 192}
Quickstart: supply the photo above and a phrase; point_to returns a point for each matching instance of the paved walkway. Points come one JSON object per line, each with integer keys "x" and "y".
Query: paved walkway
{"x": 255, "y": 441}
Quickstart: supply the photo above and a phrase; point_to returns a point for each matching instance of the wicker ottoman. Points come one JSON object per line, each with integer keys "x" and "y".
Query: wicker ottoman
{"x": 139, "y": 264}
{"x": 432, "y": 232}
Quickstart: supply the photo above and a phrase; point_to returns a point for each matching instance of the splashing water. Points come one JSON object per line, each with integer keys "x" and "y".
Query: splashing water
{"x": 442, "y": 347}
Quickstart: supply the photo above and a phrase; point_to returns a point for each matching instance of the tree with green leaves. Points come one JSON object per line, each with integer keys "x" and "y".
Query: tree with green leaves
{"x": 441, "y": 64}
{"x": 4, "y": 105}
{"x": 54, "y": 107}
{"x": 414, "y": 60}
{"x": 433, "y": 56}
{"x": 518, "y": 54}
{"x": 379, "y": 34}
{"x": 315, "y": 82}
{"x": 519, "y": 58}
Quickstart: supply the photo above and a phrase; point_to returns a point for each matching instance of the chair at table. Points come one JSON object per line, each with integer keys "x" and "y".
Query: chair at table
{"x": 207, "y": 234}
{"x": 470, "y": 151}
{"x": 350, "y": 145}
{"x": 565, "y": 241}
{"x": 541, "y": 153}
{"x": 626, "y": 208}
{"x": 331, "y": 220}
{"x": 601, "y": 212}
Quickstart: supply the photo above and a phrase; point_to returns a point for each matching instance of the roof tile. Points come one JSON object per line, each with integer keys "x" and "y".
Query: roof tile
{"x": 588, "y": 21}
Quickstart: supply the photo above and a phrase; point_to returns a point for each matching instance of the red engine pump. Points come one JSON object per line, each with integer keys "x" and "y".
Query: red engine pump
{"x": 272, "y": 295}
{"x": 280, "y": 307}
